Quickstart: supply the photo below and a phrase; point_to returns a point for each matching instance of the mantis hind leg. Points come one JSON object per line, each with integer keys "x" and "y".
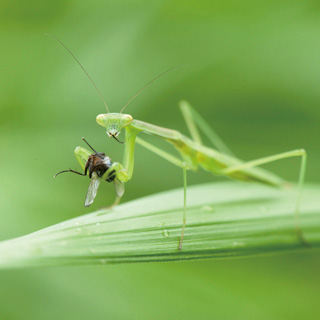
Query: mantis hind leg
{"x": 295, "y": 153}
{"x": 192, "y": 117}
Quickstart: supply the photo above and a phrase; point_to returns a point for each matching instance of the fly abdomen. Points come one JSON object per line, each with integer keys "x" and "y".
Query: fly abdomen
{"x": 111, "y": 176}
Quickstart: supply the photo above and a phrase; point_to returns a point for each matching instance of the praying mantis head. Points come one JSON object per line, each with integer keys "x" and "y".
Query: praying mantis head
{"x": 114, "y": 122}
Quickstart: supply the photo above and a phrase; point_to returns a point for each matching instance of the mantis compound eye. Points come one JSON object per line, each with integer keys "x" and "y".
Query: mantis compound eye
{"x": 126, "y": 119}
{"x": 102, "y": 120}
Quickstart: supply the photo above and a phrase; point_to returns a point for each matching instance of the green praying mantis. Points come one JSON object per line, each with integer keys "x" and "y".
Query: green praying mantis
{"x": 193, "y": 155}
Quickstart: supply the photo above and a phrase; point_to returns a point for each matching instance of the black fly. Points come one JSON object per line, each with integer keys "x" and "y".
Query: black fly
{"x": 96, "y": 167}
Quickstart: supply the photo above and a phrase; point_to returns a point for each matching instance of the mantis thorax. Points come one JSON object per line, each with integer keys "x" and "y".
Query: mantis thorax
{"x": 114, "y": 122}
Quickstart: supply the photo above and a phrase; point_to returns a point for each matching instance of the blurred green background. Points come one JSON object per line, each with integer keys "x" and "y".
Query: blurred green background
{"x": 253, "y": 72}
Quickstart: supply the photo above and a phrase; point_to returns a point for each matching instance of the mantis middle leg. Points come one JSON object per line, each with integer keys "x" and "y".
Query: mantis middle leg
{"x": 167, "y": 156}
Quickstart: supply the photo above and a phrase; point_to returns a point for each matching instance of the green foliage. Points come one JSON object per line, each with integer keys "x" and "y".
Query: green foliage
{"x": 224, "y": 220}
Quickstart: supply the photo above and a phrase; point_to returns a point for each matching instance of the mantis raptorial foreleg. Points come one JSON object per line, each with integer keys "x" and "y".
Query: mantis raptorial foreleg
{"x": 295, "y": 153}
{"x": 115, "y": 172}
{"x": 192, "y": 117}
{"x": 82, "y": 156}
{"x": 119, "y": 170}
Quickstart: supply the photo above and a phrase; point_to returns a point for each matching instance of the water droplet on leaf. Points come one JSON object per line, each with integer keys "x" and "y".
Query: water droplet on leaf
{"x": 165, "y": 233}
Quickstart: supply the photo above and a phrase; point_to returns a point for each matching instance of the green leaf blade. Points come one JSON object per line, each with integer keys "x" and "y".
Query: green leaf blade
{"x": 228, "y": 219}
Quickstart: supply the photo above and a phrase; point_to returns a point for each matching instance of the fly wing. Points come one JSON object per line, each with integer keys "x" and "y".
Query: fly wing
{"x": 92, "y": 190}
{"x": 119, "y": 187}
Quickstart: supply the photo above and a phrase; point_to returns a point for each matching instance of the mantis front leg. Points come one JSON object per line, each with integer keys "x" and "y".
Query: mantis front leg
{"x": 124, "y": 172}
{"x": 117, "y": 170}
{"x": 119, "y": 173}
{"x": 128, "y": 158}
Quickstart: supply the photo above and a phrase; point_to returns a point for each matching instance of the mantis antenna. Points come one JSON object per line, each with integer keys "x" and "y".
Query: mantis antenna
{"x": 48, "y": 34}
{"x": 148, "y": 84}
